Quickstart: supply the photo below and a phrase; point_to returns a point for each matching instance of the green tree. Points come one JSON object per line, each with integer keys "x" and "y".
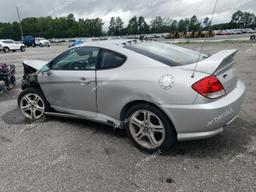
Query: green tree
{"x": 236, "y": 17}
{"x": 112, "y": 25}
{"x": 132, "y": 27}
{"x": 247, "y": 19}
{"x": 174, "y": 26}
{"x": 182, "y": 26}
{"x": 156, "y": 24}
{"x": 207, "y": 22}
{"x": 194, "y": 24}
{"x": 143, "y": 27}
{"x": 119, "y": 26}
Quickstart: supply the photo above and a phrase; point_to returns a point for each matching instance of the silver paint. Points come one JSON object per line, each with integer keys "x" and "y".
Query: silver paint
{"x": 81, "y": 94}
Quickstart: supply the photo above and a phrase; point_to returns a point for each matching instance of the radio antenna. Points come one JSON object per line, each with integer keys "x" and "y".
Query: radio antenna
{"x": 21, "y": 31}
{"x": 209, "y": 26}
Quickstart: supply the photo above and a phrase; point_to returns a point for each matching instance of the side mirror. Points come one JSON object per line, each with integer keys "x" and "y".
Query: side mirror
{"x": 45, "y": 70}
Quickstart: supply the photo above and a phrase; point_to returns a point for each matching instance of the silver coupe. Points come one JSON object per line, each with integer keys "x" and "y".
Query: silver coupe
{"x": 157, "y": 92}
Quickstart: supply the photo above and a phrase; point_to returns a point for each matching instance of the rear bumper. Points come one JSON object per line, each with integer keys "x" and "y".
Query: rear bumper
{"x": 206, "y": 120}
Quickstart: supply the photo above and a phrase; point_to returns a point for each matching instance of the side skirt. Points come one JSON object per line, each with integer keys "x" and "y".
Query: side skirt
{"x": 99, "y": 119}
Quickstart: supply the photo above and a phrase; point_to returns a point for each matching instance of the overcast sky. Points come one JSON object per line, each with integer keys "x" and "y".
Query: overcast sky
{"x": 105, "y": 9}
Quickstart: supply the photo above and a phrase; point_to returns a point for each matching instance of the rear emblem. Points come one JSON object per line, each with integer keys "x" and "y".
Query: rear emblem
{"x": 167, "y": 81}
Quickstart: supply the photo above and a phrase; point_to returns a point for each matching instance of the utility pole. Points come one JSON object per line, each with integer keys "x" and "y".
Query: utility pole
{"x": 21, "y": 31}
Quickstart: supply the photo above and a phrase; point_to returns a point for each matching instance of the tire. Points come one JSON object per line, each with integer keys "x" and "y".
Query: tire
{"x": 165, "y": 139}
{"x": 41, "y": 45}
{"x": 6, "y": 49}
{"x": 28, "y": 103}
{"x": 22, "y": 49}
{"x": 252, "y": 37}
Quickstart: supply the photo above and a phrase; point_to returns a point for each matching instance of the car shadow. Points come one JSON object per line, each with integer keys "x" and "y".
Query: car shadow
{"x": 235, "y": 138}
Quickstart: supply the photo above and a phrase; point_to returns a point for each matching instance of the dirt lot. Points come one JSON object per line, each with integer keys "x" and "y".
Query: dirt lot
{"x": 57, "y": 154}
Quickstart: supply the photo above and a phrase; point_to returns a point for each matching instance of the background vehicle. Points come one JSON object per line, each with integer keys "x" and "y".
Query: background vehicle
{"x": 29, "y": 41}
{"x": 76, "y": 42}
{"x": 9, "y": 45}
{"x": 153, "y": 90}
{"x": 40, "y": 41}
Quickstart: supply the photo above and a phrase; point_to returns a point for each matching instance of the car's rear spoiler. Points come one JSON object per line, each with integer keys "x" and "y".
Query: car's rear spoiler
{"x": 213, "y": 63}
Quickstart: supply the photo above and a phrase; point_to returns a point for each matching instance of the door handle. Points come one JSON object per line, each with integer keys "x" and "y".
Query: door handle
{"x": 85, "y": 80}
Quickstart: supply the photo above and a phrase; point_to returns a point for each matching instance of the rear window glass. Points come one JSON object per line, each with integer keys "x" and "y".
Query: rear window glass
{"x": 110, "y": 59}
{"x": 167, "y": 53}
{"x": 8, "y": 42}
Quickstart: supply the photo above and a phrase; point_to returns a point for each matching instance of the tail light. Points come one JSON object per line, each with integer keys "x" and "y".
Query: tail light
{"x": 209, "y": 87}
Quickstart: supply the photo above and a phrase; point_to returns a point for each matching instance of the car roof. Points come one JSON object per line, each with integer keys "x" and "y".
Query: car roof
{"x": 6, "y": 40}
{"x": 107, "y": 43}
{"x": 115, "y": 44}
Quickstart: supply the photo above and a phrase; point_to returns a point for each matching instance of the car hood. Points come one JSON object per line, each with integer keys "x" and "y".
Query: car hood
{"x": 36, "y": 64}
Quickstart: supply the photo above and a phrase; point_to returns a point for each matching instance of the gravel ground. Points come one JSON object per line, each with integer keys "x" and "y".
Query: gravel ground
{"x": 57, "y": 154}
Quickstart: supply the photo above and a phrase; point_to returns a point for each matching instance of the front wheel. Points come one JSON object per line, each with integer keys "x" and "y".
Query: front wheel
{"x": 22, "y": 48}
{"x": 6, "y": 49}
{"x": 149, "y": 128}
{"x": 32, "y": 103}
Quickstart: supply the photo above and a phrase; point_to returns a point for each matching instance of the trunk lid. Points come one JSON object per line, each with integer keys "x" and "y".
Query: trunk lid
{"x": 221, "y": 65}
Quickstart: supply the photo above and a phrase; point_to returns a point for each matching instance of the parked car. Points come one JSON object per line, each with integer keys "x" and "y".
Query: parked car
{"x": 76, "y": 42}
{"x": 29, "y": 41}
{"x": 40, "y": 41}
{"x": 7, "y": 45}
{"x": 157, "y": 92}
{"x": 55, "y": 41}
{"x": 251, "y": 31}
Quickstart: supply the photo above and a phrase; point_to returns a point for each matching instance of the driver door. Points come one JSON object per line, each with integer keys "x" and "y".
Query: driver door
{"x": 70, "y": 85}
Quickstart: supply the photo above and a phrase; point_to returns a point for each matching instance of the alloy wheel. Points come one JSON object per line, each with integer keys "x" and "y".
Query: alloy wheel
{"x": 147, "y": 129}
{"x": 32, "y": 106}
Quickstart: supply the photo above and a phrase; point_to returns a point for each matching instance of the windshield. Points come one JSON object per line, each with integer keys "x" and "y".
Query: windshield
{"x": 167, "y": 53}
{"x": 8, "y": 42}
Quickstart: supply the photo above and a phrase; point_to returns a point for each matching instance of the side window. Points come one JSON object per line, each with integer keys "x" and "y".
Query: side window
{"x": 110, "y": 59}
{"x": 79, "y": 58}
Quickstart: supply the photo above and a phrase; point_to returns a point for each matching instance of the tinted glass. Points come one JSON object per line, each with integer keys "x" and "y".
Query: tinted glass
{"x": 110, "y": 59}
{"x": 79, "y": 58}
{"x": 8, "y": 42}
{"x": 167, "y": 53}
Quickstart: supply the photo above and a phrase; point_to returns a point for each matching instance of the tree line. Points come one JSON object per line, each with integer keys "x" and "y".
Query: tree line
{"x": 66, "y": 27}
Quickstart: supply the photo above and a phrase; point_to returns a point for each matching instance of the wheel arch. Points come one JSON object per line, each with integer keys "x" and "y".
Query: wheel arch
{"x": 136, "y": 102}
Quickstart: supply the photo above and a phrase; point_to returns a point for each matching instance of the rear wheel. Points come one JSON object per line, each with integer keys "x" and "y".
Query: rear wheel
{"x": 149, "y": 128}
{"x": 32, "y": 103}
{"x": 6, "y": 49}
